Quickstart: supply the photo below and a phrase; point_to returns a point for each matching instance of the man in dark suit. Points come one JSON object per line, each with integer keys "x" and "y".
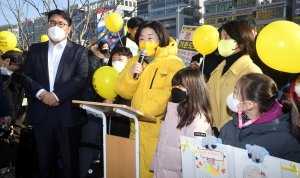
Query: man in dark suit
{"x": 54, "y": 74}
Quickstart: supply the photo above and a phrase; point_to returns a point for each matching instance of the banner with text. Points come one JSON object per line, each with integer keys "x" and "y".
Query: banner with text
{"x": 186, "y": 48}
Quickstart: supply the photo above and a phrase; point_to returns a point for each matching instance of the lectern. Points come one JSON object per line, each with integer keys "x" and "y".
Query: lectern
{"x": 120, "y": 155}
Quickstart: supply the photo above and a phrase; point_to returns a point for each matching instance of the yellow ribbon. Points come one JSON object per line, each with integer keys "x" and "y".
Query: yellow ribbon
{"x": 293, "y": 168}
{"x": 186, "y": 144}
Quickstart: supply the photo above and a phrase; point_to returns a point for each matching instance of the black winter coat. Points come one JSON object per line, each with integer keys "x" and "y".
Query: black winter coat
{"x": 276, "y": 136}
{"x": 94, "y": 60}
{"x": 286, "y": 89}
{"x": 14, "y": 93}
{"x": 4, "y": 107}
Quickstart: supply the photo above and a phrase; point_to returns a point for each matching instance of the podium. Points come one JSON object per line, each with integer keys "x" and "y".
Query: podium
{"x": 120, "y": 155}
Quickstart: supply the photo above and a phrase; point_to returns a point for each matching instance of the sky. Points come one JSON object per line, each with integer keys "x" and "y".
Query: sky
{"x": 32, "y": 13}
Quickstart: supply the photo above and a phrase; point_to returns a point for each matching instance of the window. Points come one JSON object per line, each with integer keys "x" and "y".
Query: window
{"x": 278, "y": 12}
{"x": 245, "y": 3}
{"x": 210, "y": 9}
{"x": 158, "y": 4}
{"x": 210, "y": 21}
{"x": 188, "y": 21}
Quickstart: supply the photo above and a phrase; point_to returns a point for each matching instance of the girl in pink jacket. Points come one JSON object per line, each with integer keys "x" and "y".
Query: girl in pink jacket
{"x": 188, "y": 114}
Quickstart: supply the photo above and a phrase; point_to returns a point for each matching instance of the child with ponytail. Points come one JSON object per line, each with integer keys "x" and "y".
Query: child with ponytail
{"x": 266, "y": 121}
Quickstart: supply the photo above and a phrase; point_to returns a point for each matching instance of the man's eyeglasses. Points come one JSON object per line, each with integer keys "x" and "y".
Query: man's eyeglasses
{"x": 60, "y": 24}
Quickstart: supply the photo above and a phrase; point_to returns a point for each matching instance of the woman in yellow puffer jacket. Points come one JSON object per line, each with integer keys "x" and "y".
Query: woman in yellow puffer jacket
{"x": 151, "y": 91}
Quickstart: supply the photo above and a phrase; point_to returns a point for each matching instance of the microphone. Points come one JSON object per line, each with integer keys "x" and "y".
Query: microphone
{"x": 143, "y": 53}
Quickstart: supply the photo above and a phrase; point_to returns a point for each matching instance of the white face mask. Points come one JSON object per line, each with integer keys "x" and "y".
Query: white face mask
{"x": 5, "y": 71}
{"x": 232, "y": 103}
{"x": 119, "y": 66}
{"x": 56, "y": 34}
{"x": 297, "y": 90}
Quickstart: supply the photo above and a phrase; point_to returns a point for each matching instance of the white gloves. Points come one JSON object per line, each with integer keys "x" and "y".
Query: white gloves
{"x": 210, "y": 142}
{"x": 256, "y": 153}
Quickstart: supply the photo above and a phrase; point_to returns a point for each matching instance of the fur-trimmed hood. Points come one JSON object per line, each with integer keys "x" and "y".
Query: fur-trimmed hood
{"x": 94, "y": 52}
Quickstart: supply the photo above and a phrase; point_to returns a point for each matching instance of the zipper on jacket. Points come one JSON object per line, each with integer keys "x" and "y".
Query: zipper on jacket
{"x": 153, "y": 78}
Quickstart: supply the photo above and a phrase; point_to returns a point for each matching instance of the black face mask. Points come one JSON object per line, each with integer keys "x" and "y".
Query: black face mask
{"x": 178, "y": 95}
{"x": 104, "y": 51}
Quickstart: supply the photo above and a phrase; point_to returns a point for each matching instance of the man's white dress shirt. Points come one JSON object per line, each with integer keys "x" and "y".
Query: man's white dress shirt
{"x": 54, "y": 56}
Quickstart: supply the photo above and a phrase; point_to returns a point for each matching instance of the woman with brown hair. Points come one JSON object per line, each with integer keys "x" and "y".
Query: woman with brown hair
{"x": 236, "y": 44}
{"x": 266, "y": 121}
{"x": 151, "y": 91}
{"x": 188, "y": 114}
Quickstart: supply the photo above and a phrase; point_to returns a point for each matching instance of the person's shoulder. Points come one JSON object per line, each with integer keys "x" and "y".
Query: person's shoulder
{"x": 75, "y": 45}
{"x": 249, "y": 65}
{"x": 174, "y": 61}
{"x": 173, "y": 58}
{"x": 39, "y": 45}
{"x": 94, "y": 58}
{"x": 231, "y": 123}
{"x": 134, "y": 59}
{"x": 254, "y": 68}
{"x": 200, "y": 119}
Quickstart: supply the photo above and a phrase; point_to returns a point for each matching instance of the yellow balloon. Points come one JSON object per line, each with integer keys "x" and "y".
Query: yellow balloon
{"x": 104, "y": 79}
{"x": 114, "y": 22}
{"x": 206, "y": 39}
{"x": 8, "y": 41}
{"x": 17, "y": 49}
{"x": 44, "y": 38}
{"x": 278, "y": 44}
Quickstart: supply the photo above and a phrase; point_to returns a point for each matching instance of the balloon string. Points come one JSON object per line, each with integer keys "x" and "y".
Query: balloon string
{"x": 119, "y": 37}
{"x": 203, "y": 63}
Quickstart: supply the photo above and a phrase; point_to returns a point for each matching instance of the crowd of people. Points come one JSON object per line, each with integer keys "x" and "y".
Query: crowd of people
{"x": 237, "y": 100}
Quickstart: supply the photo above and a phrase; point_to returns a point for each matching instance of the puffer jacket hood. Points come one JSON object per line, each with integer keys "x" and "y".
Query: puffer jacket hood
{"x": 94, "y": 51}
{"x": 171, "y": 49}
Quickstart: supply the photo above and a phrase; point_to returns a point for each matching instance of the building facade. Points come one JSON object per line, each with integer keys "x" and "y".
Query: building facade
{"x": 296, "y": 12}
{"x": 14, "y": 29}
{"x": 172, "y": 13}
{"x": 263, "y": 11}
